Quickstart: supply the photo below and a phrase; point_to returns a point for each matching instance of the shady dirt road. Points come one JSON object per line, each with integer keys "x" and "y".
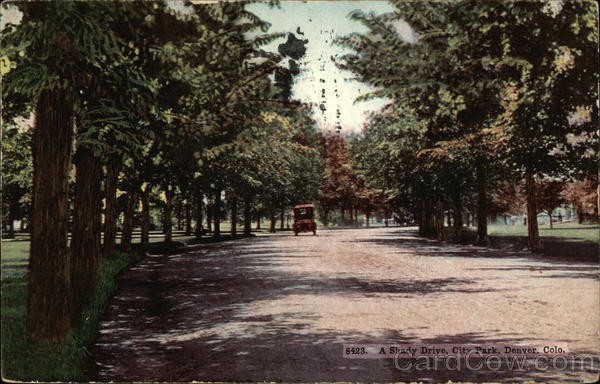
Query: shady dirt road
{"x": 280, "y": 308}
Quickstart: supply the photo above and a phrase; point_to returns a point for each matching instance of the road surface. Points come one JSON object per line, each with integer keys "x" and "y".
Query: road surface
{"x": 280, "y": 308}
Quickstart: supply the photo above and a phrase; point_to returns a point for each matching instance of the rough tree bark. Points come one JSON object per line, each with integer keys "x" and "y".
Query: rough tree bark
{"x": 198, "y": 229}
{"x": 532, "y": 225}
{"x": 257, "y": 221}
{"x": 482, "y": 206}
{"x": 233, "y": 216}
{"x": 282, "y": 218}
{"x": 49, "y": 311}
{"x": 273, "y": 222}
{"x": 217, "y": 214}
{"x": 428, "y": 218}
{"x": 420, "y": 216}
{"x": 86, "y": 236}
{"x": 188, "y": 216}
{"x": 127, "y": 233}
{"x": 111, "y": 209}
{"x": 179, "y": 209}
{"x": 458, "y": 217}
{"x": 145, "y": 217}
{"x": 11, "y": 224}
{"x": 439, "y": 220}
{"x": 247, "y": 217}
{"x": 209, "y": 217}
{"x": 168, "y": 215}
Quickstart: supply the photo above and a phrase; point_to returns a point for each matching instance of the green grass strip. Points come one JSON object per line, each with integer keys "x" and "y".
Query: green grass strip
{"x": 27, "y": 361}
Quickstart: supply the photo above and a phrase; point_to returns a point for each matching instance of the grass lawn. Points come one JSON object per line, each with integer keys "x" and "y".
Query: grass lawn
{"x": 15, "y": 255}
{"x": 566, "y": 240}
{"x": 15, "y": 252}
{"x": 27, "y": 361}
{"x": 566, "y": 231}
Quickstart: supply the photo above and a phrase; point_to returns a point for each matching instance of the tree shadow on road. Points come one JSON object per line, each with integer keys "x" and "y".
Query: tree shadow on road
{"x": 193, "y": 316}
{"x": 555, "y": 249}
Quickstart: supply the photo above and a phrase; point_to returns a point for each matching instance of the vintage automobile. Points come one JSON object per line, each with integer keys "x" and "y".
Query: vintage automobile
{"x": 304, "y": 219}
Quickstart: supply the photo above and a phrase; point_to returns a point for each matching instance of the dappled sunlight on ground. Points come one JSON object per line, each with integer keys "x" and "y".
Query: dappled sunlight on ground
{"x": 279, "y": 308}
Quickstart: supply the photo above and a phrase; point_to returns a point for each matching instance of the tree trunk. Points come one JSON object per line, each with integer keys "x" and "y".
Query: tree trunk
{"x": 86, "y": 236}
{"x": 199, "y": 203}
{"x": 209, "y": 216}
{"x": 111, "y": 210}
{"x": 11, "y": 224}
{"x": 247, "y": 217}
{"x": 233, "y": 217}
{"x": 439, "y": 220}
{"x": 368, "y": 219}
{"x": 458, "y": 217}
{"x": 422, "y": 217}
{"x": 598, "y": 200}
{"x": 482, "y": 205}
{"x": 217, "y": 214}
{"x": 326, "y": 217}
{"x": 550, "y": 217}
{"x": 49, "y": 312}
{"x": 532, "y": 224}
{"x": 273, "y": 222}
{"x": 128, "y": 220}
{"x": 385, "y": 213}
{"x": 257, "y": 221}
{"x": 282, "y": 218}
{"x": 168, "y": 216}
{"x": 179, "y": 215}
{"x": 145, "y": 217}
{"x": 188, "y": 216}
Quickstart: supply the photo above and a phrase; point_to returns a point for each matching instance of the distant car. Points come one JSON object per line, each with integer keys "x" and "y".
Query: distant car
{"x": 304, "y": 219}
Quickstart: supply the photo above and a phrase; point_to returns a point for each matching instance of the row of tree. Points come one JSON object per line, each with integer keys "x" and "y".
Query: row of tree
{"x": 343, "y": 190}
{"x": 115, "y": 111}
{"x": 138, "y": 106}
{"x": 481, "y": 94}
{"x": 578, "y": 199}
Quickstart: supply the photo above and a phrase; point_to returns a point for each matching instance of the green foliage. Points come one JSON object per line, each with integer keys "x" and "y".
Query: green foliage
{"x": 499, "y": 87}
{"x": 275, "y": 160}
{"x": 16, "y": 170}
